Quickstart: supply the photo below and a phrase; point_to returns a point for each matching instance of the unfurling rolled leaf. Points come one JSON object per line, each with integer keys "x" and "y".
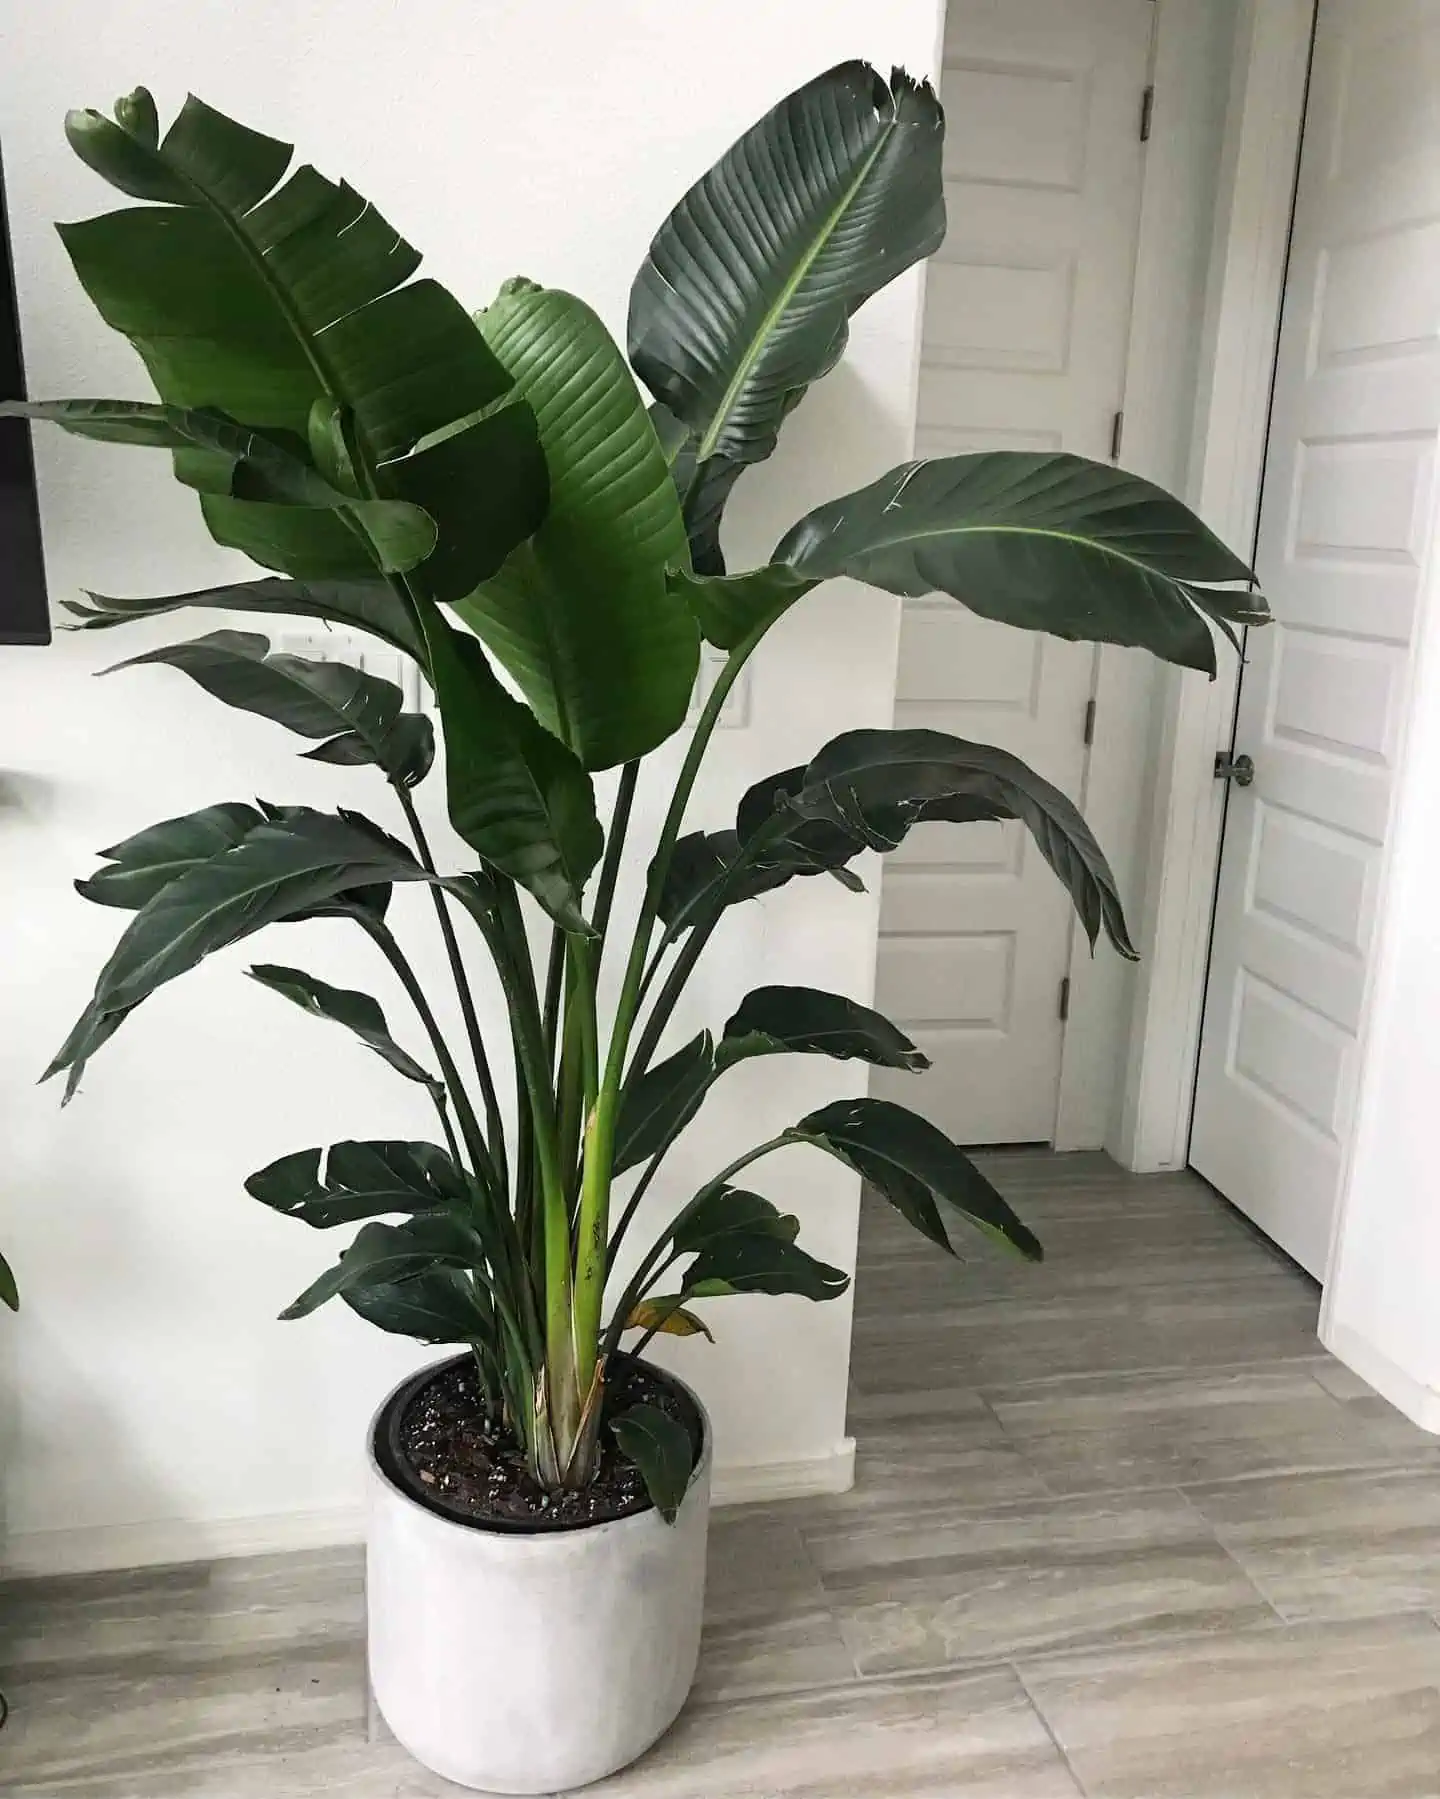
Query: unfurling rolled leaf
{"x": 353, "y": 1181}
{"x": 262, "y": 296}
{"x": 342, "y": 1005}
{"x": 660, "y": 1448}
{"x": 383, "y": 1254}
{"x": 669, "y": 1317}
{"x": 517, "y": 796}
{"x": 152, "y": 858}
{"x": 914, "y": 1166}
{"x": 1043, "y": 540}
{"x": 581, "y": 615}
{"x": 365, "y": 604}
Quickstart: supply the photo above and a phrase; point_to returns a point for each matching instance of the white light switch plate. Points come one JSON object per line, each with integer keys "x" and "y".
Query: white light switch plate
{"x": 735, "y": 713}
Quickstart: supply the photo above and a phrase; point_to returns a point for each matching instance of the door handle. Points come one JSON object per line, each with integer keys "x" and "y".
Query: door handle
{"x": 1239, "y": 769}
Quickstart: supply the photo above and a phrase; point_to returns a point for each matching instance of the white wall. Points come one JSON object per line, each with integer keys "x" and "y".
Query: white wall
{"x": 149, "y": 1404}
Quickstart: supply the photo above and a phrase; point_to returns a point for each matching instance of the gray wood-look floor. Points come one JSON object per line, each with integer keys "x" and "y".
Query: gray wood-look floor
{"x": 1121, "y": 1529}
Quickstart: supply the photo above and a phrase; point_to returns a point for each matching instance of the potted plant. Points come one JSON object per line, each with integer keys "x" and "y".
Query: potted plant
{"x": 492, "y": 493}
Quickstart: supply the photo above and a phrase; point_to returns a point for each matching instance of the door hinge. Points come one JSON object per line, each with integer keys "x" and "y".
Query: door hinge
{"x": 1065, "y": 999}
{"x": 1089, "y": 723}
{"x": 1147, "y": 114}
{"x": 1117, "y": 436}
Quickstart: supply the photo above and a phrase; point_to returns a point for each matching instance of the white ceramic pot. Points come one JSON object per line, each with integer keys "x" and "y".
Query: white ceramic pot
{"x": 532, "y": 1663}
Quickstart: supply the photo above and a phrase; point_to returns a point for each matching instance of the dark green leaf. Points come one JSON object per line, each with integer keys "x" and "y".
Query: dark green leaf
{"x": 442, "y": 1305}
{"x": 352, "y": 1181}
{"x": 763, "y": 1263}
{"x": 707, "y": 869}
{"x": 517, "y": 796}
{"x": 719, "y": 1213}
{"x": 746, "y": 294}
{"x": 9, "y": 1292}
{"x": 1046, "y": 541}
{"x": 262, "y": 300}
{"x": 285, "y": 869}
{"x": 867, "y": 789}
{"x": 660, "y": 1448}
{"x": 662, "y": 1102}
{"x": 773, "y": 1020}
{"x": 241, "y": 462}
{"x": 914, "y": 1165}
{"x": 314, "y": 699}
{"x": 368, "y": 604}
{"x": 406, "y": 752}
{"x": 581, "y": 616}
{"x": 342, "y": 1005}
{"x": 383, "y": 1254}
{"x": 151, "y": 859}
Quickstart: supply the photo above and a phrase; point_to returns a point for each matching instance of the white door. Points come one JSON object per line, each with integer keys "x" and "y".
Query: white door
{"x": 1344, "y": 516}
{"x": 1027, "y": 320}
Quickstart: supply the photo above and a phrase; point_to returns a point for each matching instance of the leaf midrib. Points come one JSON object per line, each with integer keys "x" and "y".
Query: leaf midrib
{"x": 993, "y": 530}
{"x": 786, "y": 295}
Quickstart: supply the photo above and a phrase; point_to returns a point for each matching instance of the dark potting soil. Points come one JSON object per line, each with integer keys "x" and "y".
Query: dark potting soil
{"x": 468, "y": 1465}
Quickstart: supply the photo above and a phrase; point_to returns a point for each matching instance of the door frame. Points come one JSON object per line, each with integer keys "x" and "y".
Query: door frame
{"x": 1194, "y": 718}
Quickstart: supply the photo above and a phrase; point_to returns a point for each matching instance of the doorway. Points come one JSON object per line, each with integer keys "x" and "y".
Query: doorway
{"x": 1026, "y": 334}
{"x": 1346, "y": 514}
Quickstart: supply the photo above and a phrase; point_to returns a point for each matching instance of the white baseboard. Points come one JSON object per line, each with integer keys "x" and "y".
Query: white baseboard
{"x": 757, "y": 1482}
{"x": 1419, "y": 1403}
{"x": 95, "y": 1548}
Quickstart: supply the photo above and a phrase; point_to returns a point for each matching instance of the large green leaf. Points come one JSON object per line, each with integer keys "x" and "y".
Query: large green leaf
{"x": 9, "y": 1292}
{"x": 352, "y": 1181}
{"x": 517, "y": 796}
{"x": 383, "y": 1254}
{"x": 244, "y": 462}
{"x": 659, "y": 1104}
{"x": 660, "y": 1448}
{"x": 367, "y": 604}
{"x": 268, "y": 297}
{"x": 805, "y": 1020}
{"x": 343, "y": 1005}
{"x": 746, "y": 294}
{"x": 914, "y": 1166}
{"x": 865, "y": 791}
{"x": 760, "y": 1262}
{"x": 282, "y": 869}
{"x": 315, "y": 699}
{"x": 720, "y": 1213}
{"x": 581, "y": 616}
{"x": 440, "y": 1305}
{"x": 1045, "y": 541}
{"x": 152, "y": 858}
{"x": 868, "y": 789}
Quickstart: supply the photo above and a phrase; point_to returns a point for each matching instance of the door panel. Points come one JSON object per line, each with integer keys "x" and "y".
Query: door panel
{"x": 1343, "y": 536}
{"x": 1026, "y": 326}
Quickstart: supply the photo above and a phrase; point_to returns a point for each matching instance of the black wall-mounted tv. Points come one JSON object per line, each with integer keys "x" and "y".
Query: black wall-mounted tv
{"x": 24, "y": 608}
